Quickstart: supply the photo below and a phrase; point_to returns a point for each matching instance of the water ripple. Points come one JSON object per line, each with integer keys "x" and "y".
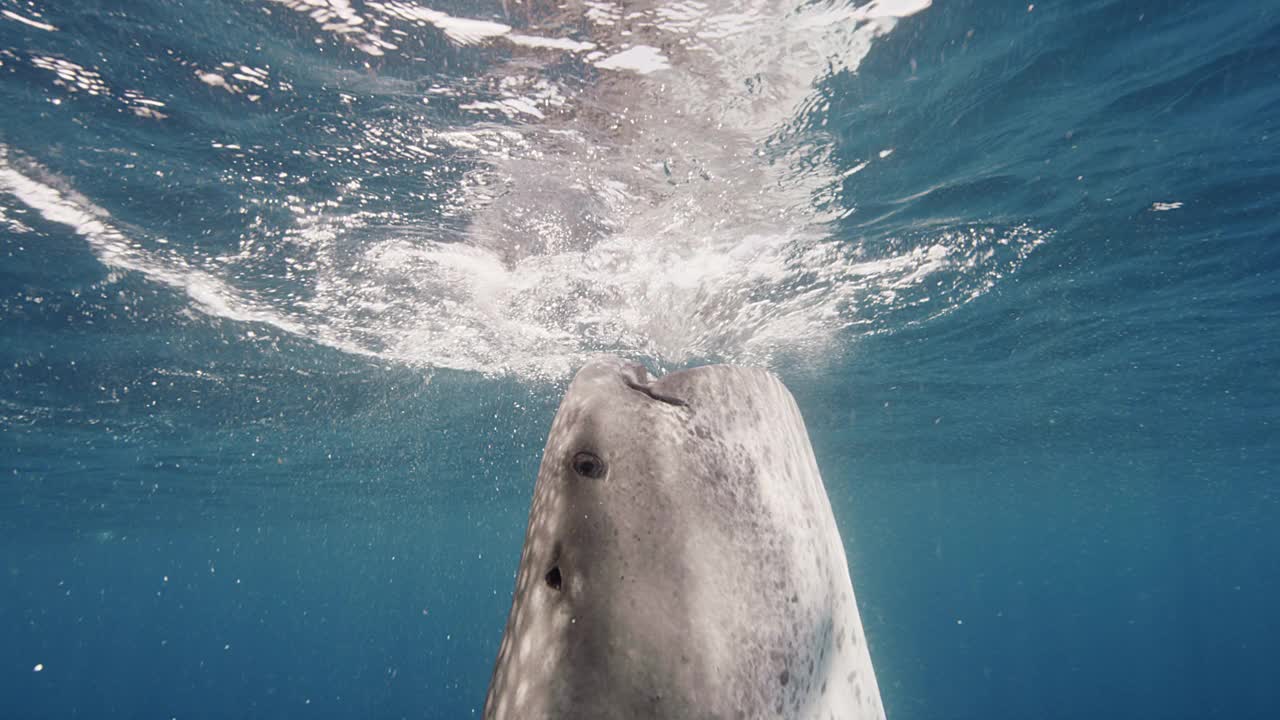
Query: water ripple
{"x": 654, "y": 181}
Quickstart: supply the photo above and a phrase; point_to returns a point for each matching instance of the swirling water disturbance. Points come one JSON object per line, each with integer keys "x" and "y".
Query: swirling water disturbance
{"x": 291, "y": 289}
{"x": 676, "y": 207}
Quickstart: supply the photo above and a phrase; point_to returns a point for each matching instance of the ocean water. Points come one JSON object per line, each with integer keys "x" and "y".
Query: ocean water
{"x": 289, "y": 291}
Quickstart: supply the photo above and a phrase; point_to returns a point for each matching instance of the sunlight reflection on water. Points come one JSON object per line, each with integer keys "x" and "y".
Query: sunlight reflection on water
{"x": 673, "y": 197}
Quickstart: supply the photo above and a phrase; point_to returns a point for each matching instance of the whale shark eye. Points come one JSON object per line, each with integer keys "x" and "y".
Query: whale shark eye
{"x": 588, "y": 465}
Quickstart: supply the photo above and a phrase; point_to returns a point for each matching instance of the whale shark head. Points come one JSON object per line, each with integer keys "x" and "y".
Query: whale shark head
{"x": 676, "y": 562}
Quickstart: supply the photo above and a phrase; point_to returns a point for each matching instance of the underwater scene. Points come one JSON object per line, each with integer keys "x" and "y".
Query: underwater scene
{"x": 291, "y": 290}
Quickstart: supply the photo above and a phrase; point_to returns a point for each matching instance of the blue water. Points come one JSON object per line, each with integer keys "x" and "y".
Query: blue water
{"x": 290, "y": 291}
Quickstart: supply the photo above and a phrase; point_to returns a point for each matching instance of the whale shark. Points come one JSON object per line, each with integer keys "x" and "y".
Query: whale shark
{"x": 681, "y": 561}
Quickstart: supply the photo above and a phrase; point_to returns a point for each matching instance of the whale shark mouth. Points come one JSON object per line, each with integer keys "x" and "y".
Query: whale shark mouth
{"x": 655, "y": 395}
{"x": 637, "y": 377}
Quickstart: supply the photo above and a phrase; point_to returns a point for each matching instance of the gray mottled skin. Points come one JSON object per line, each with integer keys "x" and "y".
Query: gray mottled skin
{"x": 701, "y": 577}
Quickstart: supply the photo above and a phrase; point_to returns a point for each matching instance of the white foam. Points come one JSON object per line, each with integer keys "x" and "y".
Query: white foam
{"x": 535, "y": 41}
{"x": 508, "y": 106}
{"x": 208, "y": 294}
{"x": 679, "y": 207}
{"x": 28, "y": 21}
{"x": 892, "y": 8}
{"x": 642, "y": 59}
{"x": 464, "y": 31}
{"x": 367, "y": 32}
{"x": 213, "y": 79}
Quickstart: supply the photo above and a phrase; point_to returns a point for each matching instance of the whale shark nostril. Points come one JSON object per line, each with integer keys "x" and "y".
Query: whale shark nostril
{"x": 553, "y": 578}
